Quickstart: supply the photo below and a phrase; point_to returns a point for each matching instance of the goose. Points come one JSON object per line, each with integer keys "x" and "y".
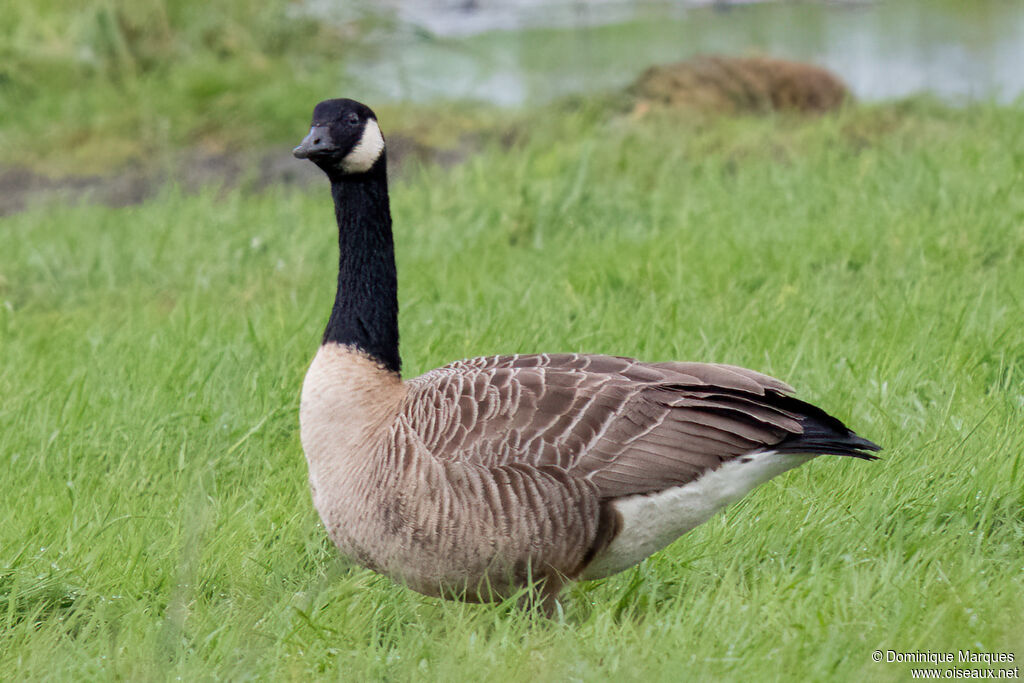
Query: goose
{"x": 487, "y": 476}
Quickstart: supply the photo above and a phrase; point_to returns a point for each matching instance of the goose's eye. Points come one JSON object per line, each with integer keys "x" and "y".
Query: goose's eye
{"x": 352, "y": 119}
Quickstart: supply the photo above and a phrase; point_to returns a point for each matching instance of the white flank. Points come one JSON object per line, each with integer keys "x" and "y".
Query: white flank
{"x": 366, "y": 152}
{"x": 651, "y": 522}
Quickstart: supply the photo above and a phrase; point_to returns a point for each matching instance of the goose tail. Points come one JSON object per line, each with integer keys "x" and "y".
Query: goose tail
{"x": 823, "y": 434}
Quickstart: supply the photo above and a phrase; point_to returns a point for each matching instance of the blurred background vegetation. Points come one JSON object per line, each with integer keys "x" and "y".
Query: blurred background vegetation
{"x": 112, "y": 81}
{"x": 89, "y": 87}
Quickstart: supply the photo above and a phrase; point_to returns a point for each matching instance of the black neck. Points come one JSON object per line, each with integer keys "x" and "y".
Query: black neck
{"x": 365, "y": 313}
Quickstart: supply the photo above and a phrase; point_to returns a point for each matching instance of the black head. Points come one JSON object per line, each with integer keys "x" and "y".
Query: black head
{"x": 344, "y": 138}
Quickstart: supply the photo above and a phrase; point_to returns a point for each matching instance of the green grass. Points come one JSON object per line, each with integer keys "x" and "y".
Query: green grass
{"x": 86, "y": 87}
{"x": 104, "y": 86}
{"x": 156, "y": 518}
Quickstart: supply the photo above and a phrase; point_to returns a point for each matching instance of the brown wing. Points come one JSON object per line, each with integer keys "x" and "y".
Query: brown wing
{"x": 627, "y": 426}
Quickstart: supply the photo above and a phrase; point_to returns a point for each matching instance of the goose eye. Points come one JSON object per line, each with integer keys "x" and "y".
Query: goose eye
{"x": 352, "y": 119}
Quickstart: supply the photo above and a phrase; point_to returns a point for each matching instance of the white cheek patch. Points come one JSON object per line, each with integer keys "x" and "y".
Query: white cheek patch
{"x": 365, "y": 154}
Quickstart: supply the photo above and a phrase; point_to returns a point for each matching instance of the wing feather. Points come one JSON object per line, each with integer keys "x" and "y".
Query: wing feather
{"x": 626, "y": 426}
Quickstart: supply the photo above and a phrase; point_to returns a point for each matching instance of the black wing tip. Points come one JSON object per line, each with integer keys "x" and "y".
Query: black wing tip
{"x": 864, "y": 456}
{"x": 853, "y": 441}
{"x": 829, "y": 448}
{"x": 824, "y": 439}
{"x": 823, "y": 434}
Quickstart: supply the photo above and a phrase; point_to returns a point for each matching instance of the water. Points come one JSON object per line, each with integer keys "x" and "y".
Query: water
{"x": 529, "y": 51}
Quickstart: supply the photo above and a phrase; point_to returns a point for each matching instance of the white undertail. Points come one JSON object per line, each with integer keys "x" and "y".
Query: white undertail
{"x": 652, "y": 521}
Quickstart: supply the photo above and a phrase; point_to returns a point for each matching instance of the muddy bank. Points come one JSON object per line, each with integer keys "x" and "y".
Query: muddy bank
{"x": 193, "y": 170}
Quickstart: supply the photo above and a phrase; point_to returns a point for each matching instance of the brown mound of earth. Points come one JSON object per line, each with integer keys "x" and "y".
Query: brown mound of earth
{"x": 739, "y": 85}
